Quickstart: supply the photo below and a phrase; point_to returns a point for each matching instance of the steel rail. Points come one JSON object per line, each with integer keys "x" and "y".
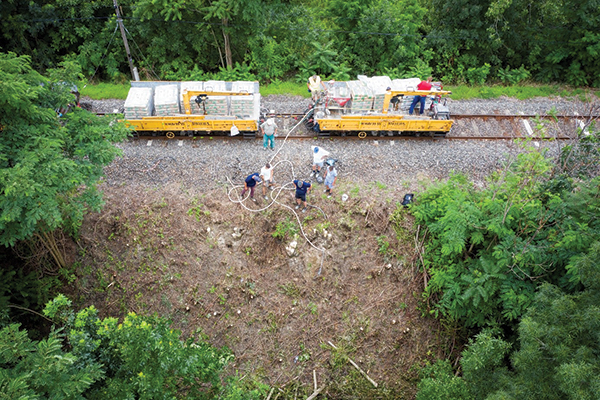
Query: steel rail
{"x": 382, "y": 134}
{"x": 371, "y": 138}
{"x": 472, "y": 116}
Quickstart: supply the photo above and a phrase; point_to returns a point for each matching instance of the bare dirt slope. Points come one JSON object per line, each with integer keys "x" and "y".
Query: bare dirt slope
{"x": 207, "y": 263}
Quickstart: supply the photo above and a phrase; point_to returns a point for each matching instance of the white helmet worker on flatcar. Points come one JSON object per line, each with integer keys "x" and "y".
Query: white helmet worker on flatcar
{"x": 314, "y": 86}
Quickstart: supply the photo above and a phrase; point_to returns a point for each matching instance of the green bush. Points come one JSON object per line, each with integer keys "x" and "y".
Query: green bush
{"x": 439, "y": 383}
{"x": 513, "y": 77}
{"x": 478, "y": 75}
{"x": 555, "y": 354}
{"x": 489, "y": 249}
{"x": 139, "y": 357}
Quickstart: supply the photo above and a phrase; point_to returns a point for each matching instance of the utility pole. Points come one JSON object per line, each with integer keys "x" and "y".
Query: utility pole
{"x": 134, "y": 72}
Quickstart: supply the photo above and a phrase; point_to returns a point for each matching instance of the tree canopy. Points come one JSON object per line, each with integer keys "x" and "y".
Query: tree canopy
{"x": 556, "y": 355}
{"x": 50, "y": 163}
{"x": 139, "y": 357}
{"x": 516, "y": 262}
{"x": 457, "y": 40}
{"x": 489, "y": 249}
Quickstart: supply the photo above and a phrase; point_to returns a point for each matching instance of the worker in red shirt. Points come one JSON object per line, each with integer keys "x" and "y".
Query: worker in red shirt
{"x": 424, "y": 85}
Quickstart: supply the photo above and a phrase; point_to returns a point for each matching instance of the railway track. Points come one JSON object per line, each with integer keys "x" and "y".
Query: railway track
{"x": 520, "y": 127}
{"x": 472, "y": 116}
{"x": 356, "y": 138}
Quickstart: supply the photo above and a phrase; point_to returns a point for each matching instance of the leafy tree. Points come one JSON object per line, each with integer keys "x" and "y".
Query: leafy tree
{"x": 32, "y": 370}
{"x": 388, "y": 34}
{"x": 488, "y": 250}
{"x": 140, "y": 357}
{"x": 49, "y": 166}
{"x": 50, "y": 30}
{"x": 460, "y": 40}
{"x": 548, "y": 39}
{"x": 557, "y": 349}
{"x": 233, "y": 17}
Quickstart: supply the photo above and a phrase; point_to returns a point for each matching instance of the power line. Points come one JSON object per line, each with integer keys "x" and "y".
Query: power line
{"x": 142, "y": 55}
{"x": 105, "y": 53}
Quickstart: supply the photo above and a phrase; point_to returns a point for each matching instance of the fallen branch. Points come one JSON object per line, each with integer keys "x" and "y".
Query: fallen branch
{"x": 419, "y": 247}
{"x": 270, "y": 393}
{"x": 315, "y": 394}
{"x": 356, "y": 366}
{"x": 315, "y": 379}
{"x": 31, "y": 311}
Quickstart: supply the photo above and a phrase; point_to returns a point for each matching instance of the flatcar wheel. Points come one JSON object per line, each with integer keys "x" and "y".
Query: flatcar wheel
{"x": 362, "y": 134}
{"x": 170, "y": 135}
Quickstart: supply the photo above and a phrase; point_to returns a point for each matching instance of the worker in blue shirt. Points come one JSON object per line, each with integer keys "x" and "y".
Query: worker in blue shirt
{"x": 250, "y": 183}
{"x": 302, "y": 189}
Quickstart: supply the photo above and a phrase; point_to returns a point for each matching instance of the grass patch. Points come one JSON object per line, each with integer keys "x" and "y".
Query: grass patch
{"x": 521, "y": 92}
{"x": 103, "y": 91}
{"x": 287, "y": 88}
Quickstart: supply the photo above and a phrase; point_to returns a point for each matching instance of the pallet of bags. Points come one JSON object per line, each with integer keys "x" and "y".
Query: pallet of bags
{"x": 362, "y": 97}
{"x": 189, "y": 86}
{"x": 139, "y": 103}
{"x": 378, "y": 85}
{"x": 243, "y": 106}
{"x": 216, "y": 105}
{"x": 166, "y": 100}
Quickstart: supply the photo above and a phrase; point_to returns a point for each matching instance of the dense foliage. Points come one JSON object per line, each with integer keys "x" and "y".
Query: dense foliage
{"x": 490, "y": 249}
{"x": 457, "y": 40}
{"x": 50, "y": 163}
{"x": 140, "y": 357}
{"x": 556, "y": 354}
{"x": 517, "y": 263}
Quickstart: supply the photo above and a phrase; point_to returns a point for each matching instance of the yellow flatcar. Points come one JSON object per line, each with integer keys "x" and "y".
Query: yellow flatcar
{"x": 378, "y": 105}
{"x": 374, "y": 105}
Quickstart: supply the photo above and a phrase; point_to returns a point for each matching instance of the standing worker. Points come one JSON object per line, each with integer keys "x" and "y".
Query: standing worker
{"x": 266, "y": 174}
{"x": 269, "y": 130}
{"x": 330, "y": 178}
{"x": 319, "y": 156}
{"x": 302, "y": 189}
{"x": 424, "y": 85}
{"x": 250, "y": 183}
{"x": 315, "y": 87}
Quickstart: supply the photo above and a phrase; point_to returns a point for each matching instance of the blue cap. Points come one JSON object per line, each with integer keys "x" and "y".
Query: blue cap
{"x": 316, "y": 149}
